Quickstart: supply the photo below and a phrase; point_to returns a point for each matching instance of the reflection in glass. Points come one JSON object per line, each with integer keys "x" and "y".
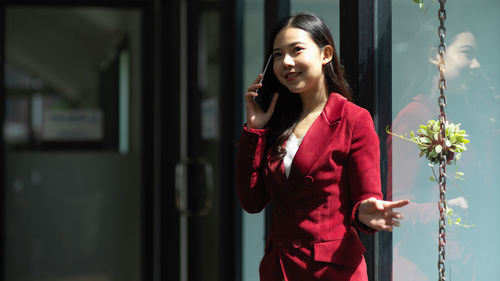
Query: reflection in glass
{"x": 473, "y": 101}
{"x": 72, "y": 201}
{"x": 65, "y": 78}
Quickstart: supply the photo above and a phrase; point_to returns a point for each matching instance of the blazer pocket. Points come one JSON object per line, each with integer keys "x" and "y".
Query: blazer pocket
{"x": 345, "y": 252}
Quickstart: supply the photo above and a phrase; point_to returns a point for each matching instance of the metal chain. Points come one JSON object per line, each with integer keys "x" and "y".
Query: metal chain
{"x": 442, "y": 141}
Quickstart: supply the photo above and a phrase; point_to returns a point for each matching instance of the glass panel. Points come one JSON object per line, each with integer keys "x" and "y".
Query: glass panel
{"x": 253, "y": 230}
{"x": 73, "y": 150}
{"x": 328, "y": 10}
{"x": 472, "y": 62}
{"x": 67, "y": 80}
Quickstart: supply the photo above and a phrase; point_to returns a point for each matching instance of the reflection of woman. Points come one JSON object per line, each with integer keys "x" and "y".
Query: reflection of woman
{"x": 409, "y": 175}
{"x": 315, "y": 155}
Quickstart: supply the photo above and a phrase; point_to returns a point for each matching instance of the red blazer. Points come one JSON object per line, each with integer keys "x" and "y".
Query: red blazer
{"x": 336, "y": 167}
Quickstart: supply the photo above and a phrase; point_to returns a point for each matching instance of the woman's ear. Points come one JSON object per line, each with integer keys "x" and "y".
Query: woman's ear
{"x": 326, "y": 54}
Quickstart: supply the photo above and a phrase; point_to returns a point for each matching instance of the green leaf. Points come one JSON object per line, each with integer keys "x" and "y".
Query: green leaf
{"x": 425, "y": 140}
{"x": 438, "y": 148}
{"x": 432, "y": 179}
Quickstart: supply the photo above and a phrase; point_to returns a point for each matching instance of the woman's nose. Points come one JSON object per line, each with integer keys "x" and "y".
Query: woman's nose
{"x": 288, "y": 61}
{"x": 474, "y": 64}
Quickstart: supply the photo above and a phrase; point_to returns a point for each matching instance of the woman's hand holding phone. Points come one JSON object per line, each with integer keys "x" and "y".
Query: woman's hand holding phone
{"x": 256, "y": 117}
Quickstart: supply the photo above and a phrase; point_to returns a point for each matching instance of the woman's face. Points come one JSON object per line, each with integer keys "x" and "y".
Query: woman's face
{"x": 298, "y": 61}
{"x": 460, "y": 61}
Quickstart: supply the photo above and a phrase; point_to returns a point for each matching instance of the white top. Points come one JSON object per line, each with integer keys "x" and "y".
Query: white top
{"x": 292, "y": 145}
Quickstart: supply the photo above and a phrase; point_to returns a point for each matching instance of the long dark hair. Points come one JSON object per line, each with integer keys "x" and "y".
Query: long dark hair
{"x": 289, "y": 106}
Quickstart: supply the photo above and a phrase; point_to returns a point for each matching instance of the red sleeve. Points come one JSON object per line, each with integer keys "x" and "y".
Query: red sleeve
{"x": 363, "y": 165}
{"x": 252, "y": 194}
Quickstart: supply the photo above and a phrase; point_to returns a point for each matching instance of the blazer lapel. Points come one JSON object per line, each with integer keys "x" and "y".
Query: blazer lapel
{"x": 277, "y": 169}
{"x": 316, "y": 141}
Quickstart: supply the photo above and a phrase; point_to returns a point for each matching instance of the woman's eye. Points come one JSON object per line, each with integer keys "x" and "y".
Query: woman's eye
{"x": 297, "y": 49}
{"x": 276, "y": 55}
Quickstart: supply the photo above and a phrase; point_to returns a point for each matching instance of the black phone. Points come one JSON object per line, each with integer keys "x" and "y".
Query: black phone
{"x": 265, "y": 92}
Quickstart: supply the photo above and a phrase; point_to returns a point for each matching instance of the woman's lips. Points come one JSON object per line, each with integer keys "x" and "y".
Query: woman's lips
{"x": 291, "y": 75}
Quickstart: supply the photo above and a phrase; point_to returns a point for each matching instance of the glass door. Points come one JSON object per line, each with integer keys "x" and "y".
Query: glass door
{"x": 199, "y": 183}
{"x": 72, "y": 135}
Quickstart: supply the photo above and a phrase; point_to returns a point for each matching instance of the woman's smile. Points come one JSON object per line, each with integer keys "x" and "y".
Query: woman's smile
{"x": 290, "y": 76}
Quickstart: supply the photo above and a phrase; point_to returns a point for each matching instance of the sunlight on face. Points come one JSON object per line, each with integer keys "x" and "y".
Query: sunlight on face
{"x": 460, "y": 60}
{"x": 298, "y": 63}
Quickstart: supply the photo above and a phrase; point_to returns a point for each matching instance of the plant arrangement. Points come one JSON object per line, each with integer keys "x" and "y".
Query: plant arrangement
{"x": 428, "y": 142}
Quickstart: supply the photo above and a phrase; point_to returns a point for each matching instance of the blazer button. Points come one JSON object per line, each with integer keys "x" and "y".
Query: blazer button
{"x": 297, "y": 243}
{"x": 308, "y": 180}
{"x": 299, "y": 214}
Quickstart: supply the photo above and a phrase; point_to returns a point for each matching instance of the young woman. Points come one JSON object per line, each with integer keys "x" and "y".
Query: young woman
{"x": 315, "y": 155}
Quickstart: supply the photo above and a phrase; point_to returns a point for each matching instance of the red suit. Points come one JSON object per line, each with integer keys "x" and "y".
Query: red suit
{"x": 312, "y": 236}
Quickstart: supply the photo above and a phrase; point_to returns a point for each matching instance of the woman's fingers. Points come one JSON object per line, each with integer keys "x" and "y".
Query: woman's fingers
{"x": 256, "y": 117}
{"x": 255, "y": 85}
{"x": 385, "y": 227}
{"x": 257, "y": 80}
{"x": 253, "y": 88}
{"x": 397, "y": 204}
{"x": 250, "y": 95}
{"x": 395, "y": 218}
{"x": 398, "y": 216}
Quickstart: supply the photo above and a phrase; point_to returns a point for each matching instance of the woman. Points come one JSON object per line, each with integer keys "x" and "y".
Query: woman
{"x": 315, "y": 155}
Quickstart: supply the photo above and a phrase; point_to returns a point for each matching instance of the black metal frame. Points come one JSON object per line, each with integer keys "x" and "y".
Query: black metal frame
{"x": 365, "y": 47}
{"x": 160, "y": 141}
{"x": 233, "y": 18}
{"x": 383, "y": 117}
{"x": 2, "y": 143}
{"x": 231, "y": 114}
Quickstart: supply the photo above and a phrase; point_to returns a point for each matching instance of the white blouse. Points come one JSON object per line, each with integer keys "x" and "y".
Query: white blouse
{"x": 292, "y": 145}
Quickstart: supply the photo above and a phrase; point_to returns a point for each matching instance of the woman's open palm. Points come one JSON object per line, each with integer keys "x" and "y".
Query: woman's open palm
{"x": 256, "y": 117}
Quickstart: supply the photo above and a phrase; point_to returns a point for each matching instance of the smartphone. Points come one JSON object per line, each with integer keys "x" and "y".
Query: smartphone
{"x": 265, "y": 92}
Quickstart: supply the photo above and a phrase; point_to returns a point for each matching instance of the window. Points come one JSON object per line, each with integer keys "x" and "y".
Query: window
{"x": 474, "y": 101}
